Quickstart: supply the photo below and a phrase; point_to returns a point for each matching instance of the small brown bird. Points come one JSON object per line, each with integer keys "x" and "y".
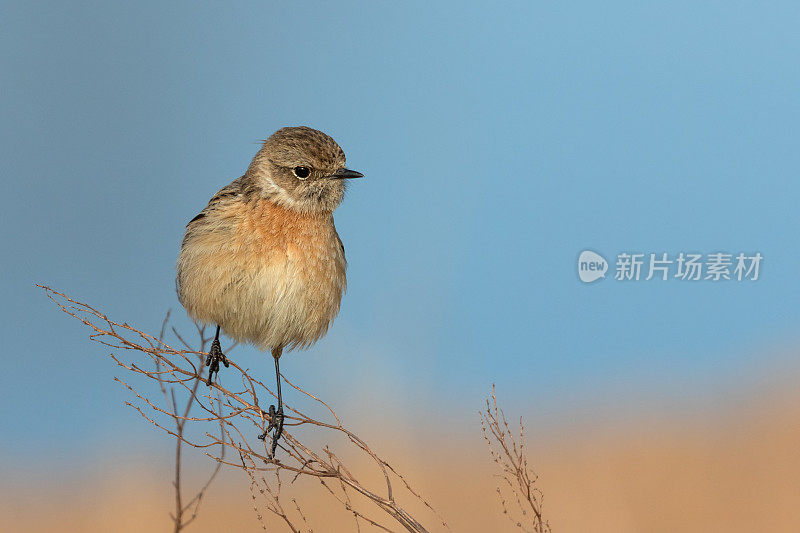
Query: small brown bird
{"x": 263, "y": 260}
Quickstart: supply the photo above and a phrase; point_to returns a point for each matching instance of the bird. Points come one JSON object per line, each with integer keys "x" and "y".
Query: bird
{"x": 263, "y": 261}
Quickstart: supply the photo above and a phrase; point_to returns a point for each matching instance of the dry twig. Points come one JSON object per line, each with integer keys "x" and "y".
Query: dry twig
{"x": 515, "y": 475}
{"x": 179, "y": 415}
{"x": 235, "y": 410}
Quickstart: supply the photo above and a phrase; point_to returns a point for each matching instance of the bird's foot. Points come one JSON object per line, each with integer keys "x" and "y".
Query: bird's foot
{"x": 275, "y": 422}
{"x": 215, "y": 356}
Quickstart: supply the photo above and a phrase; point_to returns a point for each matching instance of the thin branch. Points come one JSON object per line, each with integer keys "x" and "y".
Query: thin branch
{"x": 515, "y": 475}
{"x": 239, "y": 418}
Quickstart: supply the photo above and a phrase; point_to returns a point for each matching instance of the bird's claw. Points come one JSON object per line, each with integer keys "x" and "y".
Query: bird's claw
{"x": 215, "y": 356}
{"x": 275, "y": 422}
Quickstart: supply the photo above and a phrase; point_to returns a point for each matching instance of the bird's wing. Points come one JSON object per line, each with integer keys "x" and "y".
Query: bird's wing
{"x": 232, "y": 191}
{"x": 208, "y": 218}
{"x": 341, "y": 244}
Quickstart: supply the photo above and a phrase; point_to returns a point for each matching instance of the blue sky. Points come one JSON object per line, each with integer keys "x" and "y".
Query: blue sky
{"x": 498, "y": 143}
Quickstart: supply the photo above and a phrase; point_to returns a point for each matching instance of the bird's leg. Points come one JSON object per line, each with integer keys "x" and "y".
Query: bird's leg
{"x": 215, "y": 355}
{"x": 275, "y": 416}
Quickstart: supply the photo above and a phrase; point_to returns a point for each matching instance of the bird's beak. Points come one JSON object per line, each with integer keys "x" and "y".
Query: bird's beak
{"x": 344, "y": 173}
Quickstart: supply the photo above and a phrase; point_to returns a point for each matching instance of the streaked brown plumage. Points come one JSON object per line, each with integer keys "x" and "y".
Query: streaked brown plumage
{"x": 263, "y": 260}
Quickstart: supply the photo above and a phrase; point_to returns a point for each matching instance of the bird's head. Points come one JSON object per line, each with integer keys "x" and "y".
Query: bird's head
{"x": 302, "y": 169}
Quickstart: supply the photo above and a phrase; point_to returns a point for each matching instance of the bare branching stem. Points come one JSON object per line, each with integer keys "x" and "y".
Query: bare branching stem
{"x": 516, "y": 479}
{"x": 230, "y": 408}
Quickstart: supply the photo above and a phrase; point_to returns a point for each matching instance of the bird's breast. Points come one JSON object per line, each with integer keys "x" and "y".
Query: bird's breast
{"x": 287, "y": 275}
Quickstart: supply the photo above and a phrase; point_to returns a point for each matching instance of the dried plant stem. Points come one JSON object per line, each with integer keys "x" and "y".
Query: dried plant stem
{"x": 180, "y": 417}
{"x": 232, "y": 404}
{"x": 515, "y": 475}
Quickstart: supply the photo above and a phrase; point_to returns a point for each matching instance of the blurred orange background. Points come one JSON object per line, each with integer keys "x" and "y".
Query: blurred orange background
{"x": 729, "y": 470}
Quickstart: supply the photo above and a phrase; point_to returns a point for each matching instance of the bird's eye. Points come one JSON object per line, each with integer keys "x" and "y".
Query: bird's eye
{"x": 302, "y": 172}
